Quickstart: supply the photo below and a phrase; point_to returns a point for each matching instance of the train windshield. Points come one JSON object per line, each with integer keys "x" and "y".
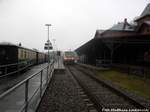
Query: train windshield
{"x": 70, "y": 54}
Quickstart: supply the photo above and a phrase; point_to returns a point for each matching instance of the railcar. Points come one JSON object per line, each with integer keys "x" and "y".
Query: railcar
{"x": 46, "y": 57}
{"x": 70, "y": 57}
{"x": 11, "y": 54}
{"x": 40, "y": 57}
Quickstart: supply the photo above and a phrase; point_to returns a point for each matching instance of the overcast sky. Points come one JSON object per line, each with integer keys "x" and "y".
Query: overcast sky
{"x": 74, "y": 22}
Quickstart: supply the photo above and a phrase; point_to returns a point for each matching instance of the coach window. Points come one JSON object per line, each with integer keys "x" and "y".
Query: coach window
{"x": 3, "y": 52}
{"x": 25, "y": 54}
{"x": 21, "y": 53}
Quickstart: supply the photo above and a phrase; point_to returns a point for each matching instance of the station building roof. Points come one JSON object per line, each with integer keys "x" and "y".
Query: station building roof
{"x": 120, "y": 29}
{"x": 123, "y": 30}
{"x": 146, "y": 12}
{"x": 121, "y": 26}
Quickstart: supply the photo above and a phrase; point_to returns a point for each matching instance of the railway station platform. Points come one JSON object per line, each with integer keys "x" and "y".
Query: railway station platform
{"x": 29, "y": 88}
{"x": 59, "y": 65}
{"x": 8, "y": 82}
{"x": 27, "y": 93}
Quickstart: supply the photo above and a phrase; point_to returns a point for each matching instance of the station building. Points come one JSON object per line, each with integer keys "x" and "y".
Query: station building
{"x": 123, "y": 44}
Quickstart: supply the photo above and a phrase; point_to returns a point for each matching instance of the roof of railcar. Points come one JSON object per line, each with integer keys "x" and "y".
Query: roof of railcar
{"x": 70, "y": 53}
{"x": 11, "y": 44}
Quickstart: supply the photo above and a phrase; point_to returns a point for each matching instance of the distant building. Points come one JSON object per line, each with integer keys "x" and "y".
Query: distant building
{"x": 120, "y": 29}
{"x": 144, "y": 21}
{"x": 144, "y": 28}
{"x": 99, "y": 33}
{"x": 145, "y": 16}
{"x": 140, "y": 26}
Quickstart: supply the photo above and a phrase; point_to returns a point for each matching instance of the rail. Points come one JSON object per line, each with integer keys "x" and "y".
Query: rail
{"x": 122, "y": 93}
{"x": 26, "y": 95}
{"x": 92, "y": 97}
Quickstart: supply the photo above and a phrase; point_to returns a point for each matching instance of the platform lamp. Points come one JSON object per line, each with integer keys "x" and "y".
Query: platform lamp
{"x": 54, "y": 50}
{"x": 48, "y": 44}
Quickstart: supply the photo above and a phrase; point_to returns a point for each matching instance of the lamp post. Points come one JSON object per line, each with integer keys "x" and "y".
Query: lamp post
{"x": 48, "y": 45}
{"x": 54, "y": 49}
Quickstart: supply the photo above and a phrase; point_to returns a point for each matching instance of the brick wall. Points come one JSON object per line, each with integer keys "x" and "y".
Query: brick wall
{"x": 117, "y": 33}
{"x": 145, "y": 29}
{"x": 146, "y": 18}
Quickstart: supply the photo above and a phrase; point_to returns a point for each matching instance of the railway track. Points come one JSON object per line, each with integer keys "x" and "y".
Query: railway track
{"x": 104, "y": 98}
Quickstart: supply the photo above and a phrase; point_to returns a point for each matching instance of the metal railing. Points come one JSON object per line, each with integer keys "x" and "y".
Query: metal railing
{"x": 26, "y": 95}
{"x": 13, "y": 68}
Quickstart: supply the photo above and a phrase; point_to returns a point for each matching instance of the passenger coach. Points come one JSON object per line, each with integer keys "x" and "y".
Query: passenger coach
{"x": 11, "y": 54}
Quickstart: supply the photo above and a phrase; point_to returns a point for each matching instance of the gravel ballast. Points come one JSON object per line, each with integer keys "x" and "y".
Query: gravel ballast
{"x": 62, "y": 95}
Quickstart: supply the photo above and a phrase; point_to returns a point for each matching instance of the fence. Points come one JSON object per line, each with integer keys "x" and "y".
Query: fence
{"x": 9, "y": 69}
{"x": 103, "y": 62}
{"x": 133, "y": 69}
{"x": 26, "y": 95}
